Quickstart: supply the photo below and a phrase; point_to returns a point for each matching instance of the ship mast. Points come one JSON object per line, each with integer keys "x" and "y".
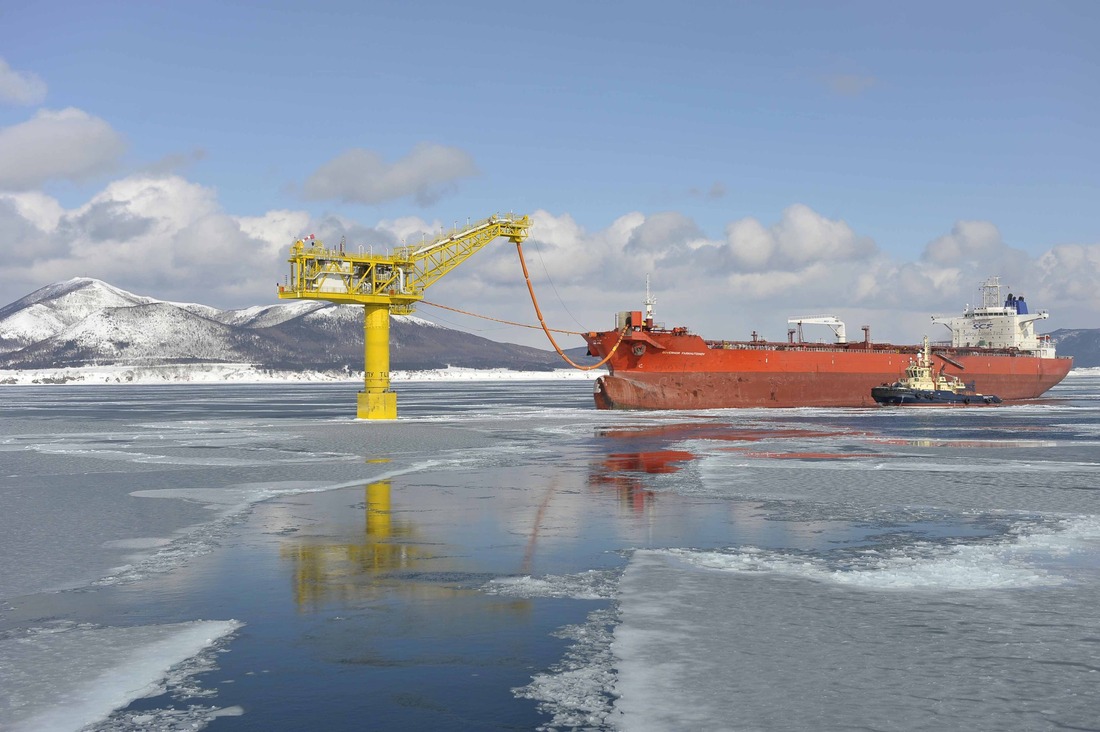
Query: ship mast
{"x": 927, "y": 363}
{"x": 649, "y": 303}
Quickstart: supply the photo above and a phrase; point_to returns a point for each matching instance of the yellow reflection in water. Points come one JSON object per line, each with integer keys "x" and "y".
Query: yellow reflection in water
{"x": 389, "y": 557}
{"x": 345, "y": 570}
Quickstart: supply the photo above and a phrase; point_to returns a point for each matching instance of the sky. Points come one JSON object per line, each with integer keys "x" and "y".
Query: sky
{"x": 758, "y": 161}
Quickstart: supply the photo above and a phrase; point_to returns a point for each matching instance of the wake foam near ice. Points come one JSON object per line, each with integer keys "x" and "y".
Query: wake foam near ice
{"x": 593, "y": 584}
{"x": 1027, "y": 559}
{"x": 576, "y": 693}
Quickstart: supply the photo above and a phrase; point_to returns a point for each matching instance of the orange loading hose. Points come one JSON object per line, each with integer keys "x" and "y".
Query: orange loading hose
{"x": 546, "y": 330}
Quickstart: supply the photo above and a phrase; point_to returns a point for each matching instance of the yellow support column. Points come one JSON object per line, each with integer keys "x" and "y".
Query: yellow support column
{"x": 379, "y": 517}
{"x": 383, "y": 554}
{"x": 376, "y": 401}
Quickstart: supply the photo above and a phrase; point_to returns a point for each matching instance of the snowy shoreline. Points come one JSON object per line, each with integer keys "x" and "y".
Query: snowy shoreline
{"x": 243, "y": 373}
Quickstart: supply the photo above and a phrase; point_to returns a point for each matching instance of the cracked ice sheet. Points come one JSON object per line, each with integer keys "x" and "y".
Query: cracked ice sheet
{"x": 767, "y": 640}
{"x": 70, "y": 676}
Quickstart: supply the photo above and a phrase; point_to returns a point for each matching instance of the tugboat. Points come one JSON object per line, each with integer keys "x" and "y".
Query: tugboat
{"x": 923, "y": 386}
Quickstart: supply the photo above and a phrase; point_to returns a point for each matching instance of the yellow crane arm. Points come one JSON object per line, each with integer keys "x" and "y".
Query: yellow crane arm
{"x": 386, "y": 284}
{"x": 436, "y": 258}
{"x": 397, "y": 279}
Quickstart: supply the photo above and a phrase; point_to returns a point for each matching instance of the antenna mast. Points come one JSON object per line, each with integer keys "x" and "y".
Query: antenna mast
{"x": 649, "y": 303}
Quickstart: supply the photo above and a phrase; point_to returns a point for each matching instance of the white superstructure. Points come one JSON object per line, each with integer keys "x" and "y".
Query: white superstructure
{"x": 999, "y": 322}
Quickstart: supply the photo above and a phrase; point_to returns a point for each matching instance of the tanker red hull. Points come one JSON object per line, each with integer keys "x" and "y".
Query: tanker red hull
{"x": 673, "y": 369}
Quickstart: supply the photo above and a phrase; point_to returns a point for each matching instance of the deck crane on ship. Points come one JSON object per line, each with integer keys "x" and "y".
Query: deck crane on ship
{"x": 384, "y": 284}
{"x": 834, "y": 323}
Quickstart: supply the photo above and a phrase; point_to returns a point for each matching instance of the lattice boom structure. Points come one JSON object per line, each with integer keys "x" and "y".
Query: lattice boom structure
{"x": 385, "y": 284}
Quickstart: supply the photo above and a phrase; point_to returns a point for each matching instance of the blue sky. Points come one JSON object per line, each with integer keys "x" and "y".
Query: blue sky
{"x": 757, "y": 159}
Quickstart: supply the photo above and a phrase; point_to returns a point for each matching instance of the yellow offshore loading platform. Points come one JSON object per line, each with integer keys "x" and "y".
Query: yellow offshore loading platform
{"x": 385, "y": 284}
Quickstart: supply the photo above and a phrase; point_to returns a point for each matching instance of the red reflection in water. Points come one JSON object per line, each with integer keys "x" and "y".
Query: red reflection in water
{"x": 629, "y": 489}
{"x": 621, "y": 472}
{"x": 624, "y": 471}
{"x": 653, "y": 461}
{"x": 678, "y": 432}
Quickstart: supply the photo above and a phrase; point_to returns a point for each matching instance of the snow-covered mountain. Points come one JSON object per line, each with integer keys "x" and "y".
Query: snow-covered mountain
{"x": 84, "y": 322}
{"x": 46, "y": 312}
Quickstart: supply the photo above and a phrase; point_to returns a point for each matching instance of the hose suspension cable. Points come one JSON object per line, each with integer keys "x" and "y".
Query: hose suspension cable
{"x": 542, "y": 322}
{"x": 553, "y": 286}
{"x": 498, "y": 320}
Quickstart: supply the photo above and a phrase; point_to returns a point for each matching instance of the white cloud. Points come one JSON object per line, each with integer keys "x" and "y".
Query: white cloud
{"x": 968, "y": 240}
{"x": 169, "y": 238}
{"x": 170, "y": 201}
{"x": 70, "y": 144}
{"x": 758, "y": 277}
{"x": 777, "y": 284}
{"x": 1071, "y": 274}
{"x": 974, "y": 246}
{"x": 278, "y": 228}
{"x": 159, "y": 236}
{"x": 588, "y": 275}
{"x": 750, "y": 244}
{"x": 20, "y": 87}
{"x": 802, "y": 237}
{"x": 21, "y": 226}
{"x": 40, "y": 210}
{"x": 662, "y": 233}
{"x": 362, "y": 176}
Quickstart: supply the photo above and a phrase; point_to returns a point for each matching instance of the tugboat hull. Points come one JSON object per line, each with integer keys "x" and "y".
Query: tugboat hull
{"x": 900, "y": 396}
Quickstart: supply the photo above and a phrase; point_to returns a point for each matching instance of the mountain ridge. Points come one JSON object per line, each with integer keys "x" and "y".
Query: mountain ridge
{"x": 86, "y": 322}
{"x": 1081, "y": 343}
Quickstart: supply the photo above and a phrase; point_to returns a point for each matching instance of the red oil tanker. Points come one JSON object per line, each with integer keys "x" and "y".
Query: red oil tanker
{"x": 993, "y": 345}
